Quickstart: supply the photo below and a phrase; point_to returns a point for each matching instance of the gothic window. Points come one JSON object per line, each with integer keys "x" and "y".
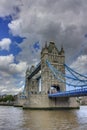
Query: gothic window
{"x": 55, "y": 59}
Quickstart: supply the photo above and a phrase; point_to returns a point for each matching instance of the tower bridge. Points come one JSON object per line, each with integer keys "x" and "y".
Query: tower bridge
{"x": 45, "y": 85}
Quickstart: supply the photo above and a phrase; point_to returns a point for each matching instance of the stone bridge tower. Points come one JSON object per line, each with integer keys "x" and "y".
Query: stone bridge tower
{"x": 41, "y": 100}
{"x": 57, "y": 59}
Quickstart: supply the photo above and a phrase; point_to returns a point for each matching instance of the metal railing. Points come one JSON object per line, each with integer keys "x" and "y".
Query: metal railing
{"x": 71, "y": 93}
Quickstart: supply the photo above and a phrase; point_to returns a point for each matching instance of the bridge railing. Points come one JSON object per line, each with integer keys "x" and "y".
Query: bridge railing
{"x": 77, "y": 92}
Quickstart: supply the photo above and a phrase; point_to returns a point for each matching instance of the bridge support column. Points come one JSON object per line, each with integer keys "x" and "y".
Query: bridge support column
{"x": 41, "y": 101}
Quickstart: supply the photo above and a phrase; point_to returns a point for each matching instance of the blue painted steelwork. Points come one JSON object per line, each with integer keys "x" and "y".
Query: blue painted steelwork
{"x": 35, "y": 71}
{"x": 72, "y": 93}
{"x": 78, "y": 82}
{"x": 76, "y": 74}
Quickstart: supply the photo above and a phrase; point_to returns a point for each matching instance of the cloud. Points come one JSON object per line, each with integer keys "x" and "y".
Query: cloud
{"x": 80, "y": 64}
{"x": 9, "y": 8}
{"x": 29, "y": 54}
{"x": 18, "y": 68}
{"x": 61, "y": 21}
{"x": 41, "y": 14}
{"x": 11, "y": 74}
{"x": 5, "y": 61}
{"x": 5, "y": 44}
{"x": 15, "y": 26}
{"x": 9, "y": 68}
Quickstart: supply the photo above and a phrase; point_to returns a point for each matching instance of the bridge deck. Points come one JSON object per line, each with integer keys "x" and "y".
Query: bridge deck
{"x": 72, "y": 93}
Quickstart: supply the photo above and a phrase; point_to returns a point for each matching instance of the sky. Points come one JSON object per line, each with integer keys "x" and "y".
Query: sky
{"x": 25, "y": 26}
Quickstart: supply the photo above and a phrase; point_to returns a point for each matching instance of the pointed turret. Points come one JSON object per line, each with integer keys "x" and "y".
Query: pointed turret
{"x": 27, "y": 72}
{"x": 46, "y": 44}
{"x": 44, "y": 50}
{"x": 51, "y": 47}
{"x": 32, "y": 68}
{"x": 62, "y": 50}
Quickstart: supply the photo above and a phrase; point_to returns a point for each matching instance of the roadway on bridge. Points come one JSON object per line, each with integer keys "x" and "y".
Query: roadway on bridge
{"x": 72, "y": 93}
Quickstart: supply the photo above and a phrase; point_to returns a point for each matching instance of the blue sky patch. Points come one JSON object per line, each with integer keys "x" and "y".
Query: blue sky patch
{"x": 4, "y": 30}
{"x": 36, "y": 46}
{"x": 5, "y": 33}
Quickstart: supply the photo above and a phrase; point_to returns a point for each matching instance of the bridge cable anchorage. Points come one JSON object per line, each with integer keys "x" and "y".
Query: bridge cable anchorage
{"x": 61, "y": 76}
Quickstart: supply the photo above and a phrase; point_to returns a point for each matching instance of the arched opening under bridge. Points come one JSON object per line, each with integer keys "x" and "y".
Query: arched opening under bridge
{"x": 55, "y": 88}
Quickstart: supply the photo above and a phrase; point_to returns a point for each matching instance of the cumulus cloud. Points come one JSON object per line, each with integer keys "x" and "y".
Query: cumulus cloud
{"x": 5, "y": 61}
{"x": 29, "y": 54}
{"x": 5, "y": 44}
{"x": 80, "y": 64}
{"x": 41, "y": 14}
{"x": 63, "y": 22}
{"x": 18, "y": 68}
{"x": 7, "y": 66}
{"x": 15, "y": 26}
{"x": 11, "y": 74}
{"x": 9, "y": 8}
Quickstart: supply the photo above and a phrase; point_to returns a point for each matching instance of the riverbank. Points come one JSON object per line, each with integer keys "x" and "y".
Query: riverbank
{"x": 6, "y": 103}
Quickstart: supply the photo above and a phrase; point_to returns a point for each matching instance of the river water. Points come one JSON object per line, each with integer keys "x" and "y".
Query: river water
{"x": 12, "y": 118}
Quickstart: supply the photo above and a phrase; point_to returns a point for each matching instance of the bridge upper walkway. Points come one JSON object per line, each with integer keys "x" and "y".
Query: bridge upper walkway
{"x": 35, "y": 71}
{"x": 71, "y": 93}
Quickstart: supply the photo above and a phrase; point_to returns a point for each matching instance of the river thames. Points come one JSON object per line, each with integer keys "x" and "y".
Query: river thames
{"x": 13, "y": 118}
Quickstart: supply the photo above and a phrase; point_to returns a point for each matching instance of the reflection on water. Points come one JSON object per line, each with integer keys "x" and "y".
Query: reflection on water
{"x": 12, "y": 118}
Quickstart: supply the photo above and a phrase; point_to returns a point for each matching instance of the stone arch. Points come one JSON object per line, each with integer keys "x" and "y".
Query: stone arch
{"x": 55, "y": 88}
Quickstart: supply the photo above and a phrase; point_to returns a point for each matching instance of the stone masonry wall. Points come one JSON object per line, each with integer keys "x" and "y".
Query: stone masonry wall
{"x": 42, "y": 101}
{"x": 57, "y": 59}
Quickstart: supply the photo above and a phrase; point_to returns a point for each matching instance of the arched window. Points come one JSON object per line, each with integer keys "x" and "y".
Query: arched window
{"x": 55, "y": 88}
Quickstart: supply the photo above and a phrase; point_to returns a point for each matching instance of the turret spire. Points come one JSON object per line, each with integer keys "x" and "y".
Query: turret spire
{"x": 46, "y": 44}
{"x": 62, "y": 50}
